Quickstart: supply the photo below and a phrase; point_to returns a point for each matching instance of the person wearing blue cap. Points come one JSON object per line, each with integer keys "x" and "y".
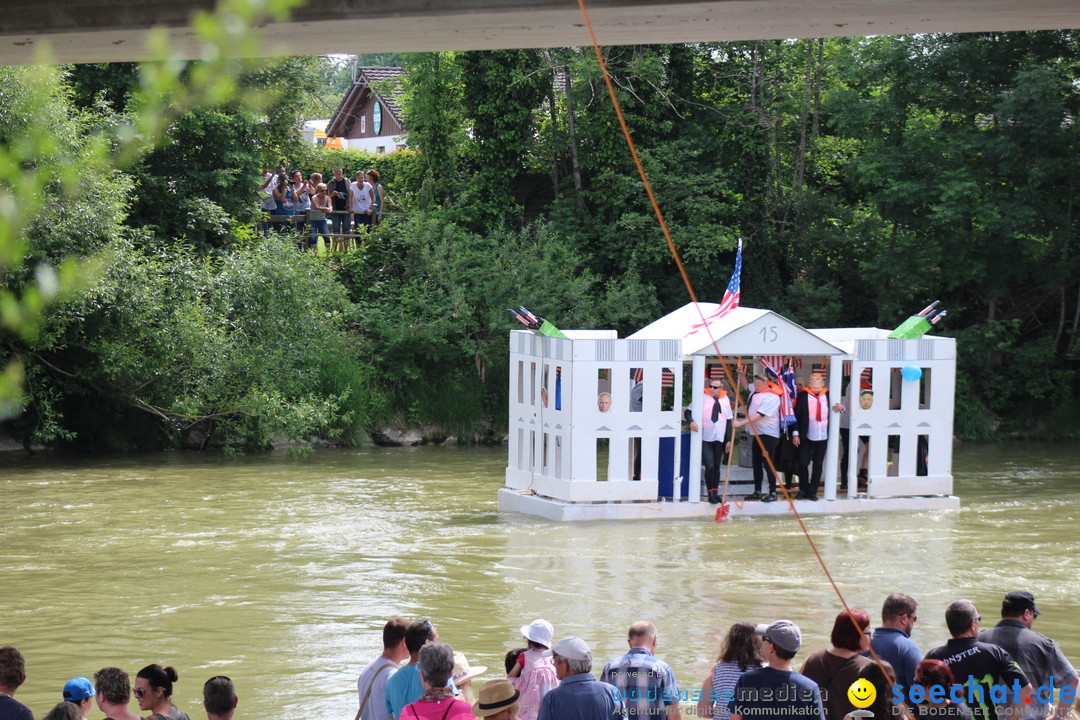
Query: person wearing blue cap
{"x": 80, "y": 691}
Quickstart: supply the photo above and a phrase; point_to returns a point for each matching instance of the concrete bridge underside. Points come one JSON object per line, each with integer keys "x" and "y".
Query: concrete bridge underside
{"x": 115, "y": 30}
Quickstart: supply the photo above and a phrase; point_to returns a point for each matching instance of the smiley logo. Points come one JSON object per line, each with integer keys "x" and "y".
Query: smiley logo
{"x": 861, "y": 693}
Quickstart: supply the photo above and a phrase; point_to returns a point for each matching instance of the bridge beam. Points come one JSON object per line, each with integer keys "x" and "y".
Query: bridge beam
{"x": 80, "y": 31}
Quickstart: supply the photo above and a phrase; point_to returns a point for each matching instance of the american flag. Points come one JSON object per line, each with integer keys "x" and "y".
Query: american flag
{"x": 777, "y": 361}
{"x": 731, "y": 295}
{"x": 772, "y": 365}
{"x": 730, "y": 301}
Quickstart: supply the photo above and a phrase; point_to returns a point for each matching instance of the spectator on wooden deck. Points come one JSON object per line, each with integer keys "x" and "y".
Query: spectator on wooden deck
{"x": 338, "y": 188}
{"x": 378, "y": 195}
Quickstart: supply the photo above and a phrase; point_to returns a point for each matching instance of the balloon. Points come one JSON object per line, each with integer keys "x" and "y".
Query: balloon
{"x": 911, "y": 373}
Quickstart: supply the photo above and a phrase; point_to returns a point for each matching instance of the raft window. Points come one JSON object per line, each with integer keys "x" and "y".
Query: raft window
{"x": 892, "y": 467}
{"x": 521, "y": 449}
{"x": 603, "y": 447}
{"x": 558, "y": 456}
{"x": 532, "y": 383}
{"x": 544, "y": 456}
{"x": 634, "y": 458}
{"x": 896, "y": 380}
{"x": 922, "y": 451}
{"x": 544, "y": 385}
{"x": 862, "y": 463}
{"x": 532, "y": 451}
{"x": 667, "y": 390}
{"x": 521, "y": 381}
{"x": 637, "y": 376}
{"x": 603, "y": 390}
{"x": 924, "y": 390}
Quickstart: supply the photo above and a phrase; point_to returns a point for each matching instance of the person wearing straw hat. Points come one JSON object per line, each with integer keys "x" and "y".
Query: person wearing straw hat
{"x": 534, "y": 675}
{"x": 498, "y": 701}
{"x": 463, "y": 676}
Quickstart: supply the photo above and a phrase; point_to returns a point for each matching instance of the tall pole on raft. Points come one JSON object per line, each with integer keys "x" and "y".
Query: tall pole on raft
{"x": 697, "y": 390}
{"x": 836, "y": 370}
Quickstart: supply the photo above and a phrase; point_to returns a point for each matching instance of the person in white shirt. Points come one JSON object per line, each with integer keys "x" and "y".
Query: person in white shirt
{"x": 716, "y": 430}
{"x": 763, "y": 419}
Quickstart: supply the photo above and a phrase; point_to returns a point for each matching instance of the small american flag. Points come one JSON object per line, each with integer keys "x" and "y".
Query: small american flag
{"x": 777, "y": 361}
{"x": 730, "y": 301}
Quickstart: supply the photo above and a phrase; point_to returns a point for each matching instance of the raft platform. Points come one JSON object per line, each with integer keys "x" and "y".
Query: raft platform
{"x": 562, "y": 511}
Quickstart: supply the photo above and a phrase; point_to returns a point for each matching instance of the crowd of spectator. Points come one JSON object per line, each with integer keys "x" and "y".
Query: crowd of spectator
{"x": 1008, "y": 672}
{"x": 111, "y": 692}
{"x": 335, "y": 210}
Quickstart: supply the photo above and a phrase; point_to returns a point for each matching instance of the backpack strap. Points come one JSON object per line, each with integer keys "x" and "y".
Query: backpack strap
{"x": 363, "y": 703}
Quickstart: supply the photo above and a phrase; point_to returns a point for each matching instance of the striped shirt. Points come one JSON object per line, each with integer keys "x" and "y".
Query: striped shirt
{"x": 725, "y": 675}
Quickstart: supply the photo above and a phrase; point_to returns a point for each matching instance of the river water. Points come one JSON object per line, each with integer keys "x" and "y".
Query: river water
{"x": 280, "y": 572}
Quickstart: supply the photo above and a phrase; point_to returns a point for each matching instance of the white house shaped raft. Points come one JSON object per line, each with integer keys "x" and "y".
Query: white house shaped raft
{"x": 596, "y": 422}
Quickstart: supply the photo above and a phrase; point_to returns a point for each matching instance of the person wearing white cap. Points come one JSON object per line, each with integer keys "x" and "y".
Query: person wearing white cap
{"x": 777, "y": 691}
{"x": 534, "y": 674}
{"x": 580, "y": 696}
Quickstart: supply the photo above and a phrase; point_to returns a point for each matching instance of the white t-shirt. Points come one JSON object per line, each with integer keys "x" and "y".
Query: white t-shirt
{"x": 374, "y": 677}
{"x": 767, "y": 404}
{"x": 361, "y": 197}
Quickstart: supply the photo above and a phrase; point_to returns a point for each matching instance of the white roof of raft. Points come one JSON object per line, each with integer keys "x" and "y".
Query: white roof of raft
{"x": 743, "y": 331}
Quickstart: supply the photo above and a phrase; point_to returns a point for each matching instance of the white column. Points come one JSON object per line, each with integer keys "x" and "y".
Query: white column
{"x": 697, "y": 388}
{"x": 832, "y": 445}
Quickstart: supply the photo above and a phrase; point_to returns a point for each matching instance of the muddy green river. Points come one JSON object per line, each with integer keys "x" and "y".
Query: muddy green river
{"x": 281, "y": 572}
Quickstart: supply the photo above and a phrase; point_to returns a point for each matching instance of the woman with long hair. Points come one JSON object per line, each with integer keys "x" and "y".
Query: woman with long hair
{"x": 740, "y": 653}
{"x": 153, "y": 690}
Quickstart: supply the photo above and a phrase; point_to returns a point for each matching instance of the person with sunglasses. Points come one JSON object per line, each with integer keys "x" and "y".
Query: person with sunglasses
{"x": 716, "y": 430}
{"x": 153, "y": 690}
{"x": 892, "y": 641}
